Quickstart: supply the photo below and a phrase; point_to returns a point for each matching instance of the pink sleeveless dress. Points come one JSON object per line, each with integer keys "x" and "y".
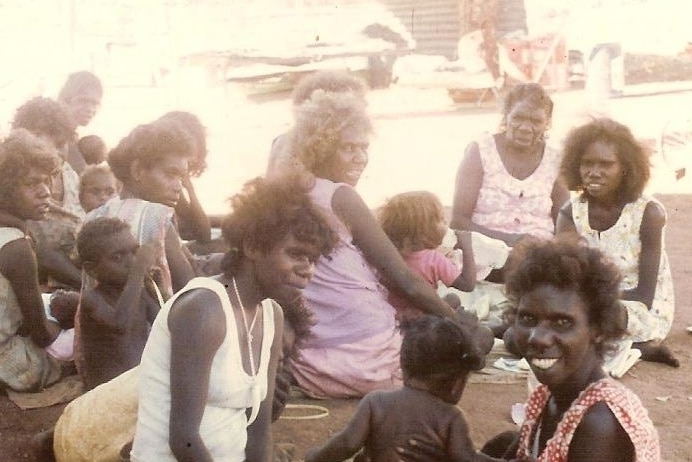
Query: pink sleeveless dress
{"x": 355, "y": 344}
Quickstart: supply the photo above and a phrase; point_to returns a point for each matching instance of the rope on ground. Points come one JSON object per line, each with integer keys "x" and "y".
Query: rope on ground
{"x": 320, "y": 412}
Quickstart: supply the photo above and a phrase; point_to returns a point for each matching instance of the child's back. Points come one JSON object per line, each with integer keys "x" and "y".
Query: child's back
{"x": 397, "y": 416}
{"x": 437, "y": 356}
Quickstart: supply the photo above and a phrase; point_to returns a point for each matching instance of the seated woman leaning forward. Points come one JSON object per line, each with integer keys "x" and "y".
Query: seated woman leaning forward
{"x": 206, "y": 380}
{"x": 609, "y": 169}
{"x": 568, "y": 315}
{"x": 355, "y": 346}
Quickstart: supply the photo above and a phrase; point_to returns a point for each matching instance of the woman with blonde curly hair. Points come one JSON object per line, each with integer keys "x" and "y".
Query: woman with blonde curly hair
{"x": 355, "y": 344}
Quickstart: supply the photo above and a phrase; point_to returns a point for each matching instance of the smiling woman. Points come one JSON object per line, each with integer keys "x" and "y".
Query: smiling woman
{"x": 355, "y": 344}
{"x": 568, "y": 315}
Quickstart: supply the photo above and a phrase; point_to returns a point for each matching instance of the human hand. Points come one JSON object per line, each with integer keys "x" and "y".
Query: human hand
{"x": 417, "y": 450}
{"x": 63, "y": 307}
{"x": 464, "y": 240}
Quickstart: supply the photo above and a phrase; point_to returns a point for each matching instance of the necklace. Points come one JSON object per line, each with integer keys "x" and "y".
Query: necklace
{"x": 248, "y": 330}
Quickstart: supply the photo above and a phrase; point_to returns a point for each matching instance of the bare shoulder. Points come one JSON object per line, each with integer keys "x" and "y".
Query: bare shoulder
{"x": 599, "y": 432}
{"x": 198, "y": 310}
{"x": 655, "y": 213}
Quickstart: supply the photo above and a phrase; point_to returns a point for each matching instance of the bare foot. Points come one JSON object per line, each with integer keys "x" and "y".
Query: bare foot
{"x": 657, "y": 352}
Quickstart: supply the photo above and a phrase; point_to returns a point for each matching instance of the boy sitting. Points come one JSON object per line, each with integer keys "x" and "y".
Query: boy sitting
{"x": 115, "y": 315}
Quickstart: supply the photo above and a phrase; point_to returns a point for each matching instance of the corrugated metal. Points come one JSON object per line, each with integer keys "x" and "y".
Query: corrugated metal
{"x": 434, "y": 24}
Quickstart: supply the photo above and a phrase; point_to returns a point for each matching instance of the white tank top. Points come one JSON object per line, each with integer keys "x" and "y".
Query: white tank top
{"x": 231, "y": 390}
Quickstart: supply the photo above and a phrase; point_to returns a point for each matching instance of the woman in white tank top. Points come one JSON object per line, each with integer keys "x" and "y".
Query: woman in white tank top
{"x": 211, "y": 358}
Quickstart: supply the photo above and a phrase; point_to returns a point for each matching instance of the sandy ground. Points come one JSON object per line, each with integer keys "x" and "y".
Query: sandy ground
{"x": 420, "y": 135}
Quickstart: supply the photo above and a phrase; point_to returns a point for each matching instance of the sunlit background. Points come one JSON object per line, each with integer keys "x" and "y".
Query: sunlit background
{"x": 205, "y": 56}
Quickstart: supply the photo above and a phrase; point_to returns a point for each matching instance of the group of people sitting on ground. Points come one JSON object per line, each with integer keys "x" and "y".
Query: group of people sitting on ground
{"x": 191, "y": 356}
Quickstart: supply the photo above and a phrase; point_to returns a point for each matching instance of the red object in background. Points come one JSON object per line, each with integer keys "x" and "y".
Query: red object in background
{"x": 540, "y": 59}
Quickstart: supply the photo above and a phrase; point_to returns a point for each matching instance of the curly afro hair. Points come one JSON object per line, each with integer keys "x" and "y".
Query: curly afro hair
{"x": 438, "y": 349}
{"x": 569, "y": 264}
{"x": 189, "y": 122}
{"x": 46, "y": 117}
{"x": 21, "y": 152}
{"x": 149, "y": 143}
{"x": 265, "y": 213}
{"x": 90, "y": 239}
{"x": 320, "y": 122}
{"x": 632, "y": 156}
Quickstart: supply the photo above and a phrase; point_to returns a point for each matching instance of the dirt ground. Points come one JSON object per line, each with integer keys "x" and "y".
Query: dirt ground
{"x": 666, "y": 392}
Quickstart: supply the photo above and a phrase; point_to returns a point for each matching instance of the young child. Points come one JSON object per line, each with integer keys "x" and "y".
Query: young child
{"x": 609, "y": 169}
{"x": 414, "y": 222}
{"x": 97, "y": 184}
{"x": 114, "y": 318}
{"x": 93, "y": 149}
{"x": 437, "y": 356}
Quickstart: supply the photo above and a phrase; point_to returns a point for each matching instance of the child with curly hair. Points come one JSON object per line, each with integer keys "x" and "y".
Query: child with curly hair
{"x": 414, "y": 221}
{"x": 609, "y": 169}
{"x": 114, "y": 318}
{"x": 437, "y": 357}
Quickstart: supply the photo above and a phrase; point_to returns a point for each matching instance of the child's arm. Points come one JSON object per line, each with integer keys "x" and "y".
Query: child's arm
{"x": 117, "y": 317}
{"x": 466, "y": 281}
{"x": 651, "y": 235}
{"x": 18, "y": 265}
{"x": 349, "y": 440}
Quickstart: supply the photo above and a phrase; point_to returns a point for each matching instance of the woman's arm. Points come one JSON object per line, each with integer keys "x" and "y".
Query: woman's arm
{"x": 466, "y": 281}
{"x": 600, "y": 437}
{"x": 18, "y": 265}
{"x": 181, "y": 270}
{"x": 651, "y": 235}
{"x": 381, "y": 253}
{"x": 466, "y": 188}
{"x": 198, "y": 327}
{"x": 565, "y": 220}
{"x": 259, "y": 437}
{"x": 193, "y": 221}
{"x": 559, "y": 197}
{"x": 58, "y": 265}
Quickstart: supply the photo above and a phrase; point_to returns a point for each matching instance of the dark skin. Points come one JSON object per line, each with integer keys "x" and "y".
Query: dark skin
{"x": 552, "y": 325}
{"x": 602, "y": 169}
{"x": 115, "y": 315}
{"x": 420, "y": 397}
{"x": 521, "y": 150}
{"x": 17, "y": 258}
{"x": 193, "y": 222}
{"x": 163, "y": 183}
{"x": 198, "y": 327}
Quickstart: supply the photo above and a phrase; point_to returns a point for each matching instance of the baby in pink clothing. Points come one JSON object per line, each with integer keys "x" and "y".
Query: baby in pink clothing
{"x": 415, "y": 223}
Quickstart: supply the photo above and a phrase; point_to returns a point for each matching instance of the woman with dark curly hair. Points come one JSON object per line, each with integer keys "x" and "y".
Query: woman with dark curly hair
{"x": 152, "y": 162}
{"x": 27, "y": 163}
{"x": 609, "y": 169}
{"x": 567, "y": 316}
{"x": 193, "y": 222}
{"x": 56, "y": 235}
{"x": 214, "y": 348}
{"x": 355, "y": 346}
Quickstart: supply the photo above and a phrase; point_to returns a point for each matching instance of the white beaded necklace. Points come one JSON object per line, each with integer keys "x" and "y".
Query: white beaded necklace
{"x": 248, "y": 331}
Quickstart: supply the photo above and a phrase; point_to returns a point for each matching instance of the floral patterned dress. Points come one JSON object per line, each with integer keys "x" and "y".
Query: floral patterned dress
{"x": 623, "y": 403}
{"x": 510, "y": 205}
{"x": 623, "y": 244}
